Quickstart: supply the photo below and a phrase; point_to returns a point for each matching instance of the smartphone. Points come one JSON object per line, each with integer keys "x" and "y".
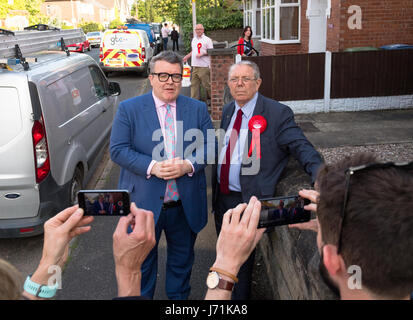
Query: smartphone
{"x": 283, "y": 210}
{"x": 104, "y": 202}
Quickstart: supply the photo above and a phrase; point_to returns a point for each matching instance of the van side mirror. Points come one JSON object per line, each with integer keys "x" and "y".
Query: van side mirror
{"x": 114, "y": 89}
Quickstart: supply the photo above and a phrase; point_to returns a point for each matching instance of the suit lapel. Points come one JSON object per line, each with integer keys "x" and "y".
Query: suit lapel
{"x": 226, "y": 118}
{"x": 182, "y": 125}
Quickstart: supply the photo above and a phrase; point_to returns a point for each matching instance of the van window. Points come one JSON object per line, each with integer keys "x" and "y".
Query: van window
{"x": 145, "y": 39}
{"x": 121, "y": 40}
{"x": 73, "y": 93}
{"x": 10, "y": 115}
{"x": 98, "y": 81}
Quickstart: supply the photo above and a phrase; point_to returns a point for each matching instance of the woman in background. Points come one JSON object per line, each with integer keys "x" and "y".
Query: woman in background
{"x": 245, "y": 43}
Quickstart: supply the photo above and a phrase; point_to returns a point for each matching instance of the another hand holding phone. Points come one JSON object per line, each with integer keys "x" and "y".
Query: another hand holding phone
{"x": 104, "y": 202}
{"x": 311, "y": 225}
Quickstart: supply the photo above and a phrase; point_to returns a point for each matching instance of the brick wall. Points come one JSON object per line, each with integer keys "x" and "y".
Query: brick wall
{"x": 333, "y": 27}
{"x": 383, "y": 22}
{"x": 230, "y": 35}
{"x": 221, "y": 60}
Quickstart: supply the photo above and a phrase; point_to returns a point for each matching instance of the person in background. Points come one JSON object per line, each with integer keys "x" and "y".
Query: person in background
{"x": 245, "y": 43}
{"x": 200, "y": 62}
{"x": 165, "y": 34}
{"x": 174, "y": 38}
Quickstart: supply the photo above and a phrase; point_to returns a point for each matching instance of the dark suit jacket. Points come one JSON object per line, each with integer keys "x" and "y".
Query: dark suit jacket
{"x": 281, "y": 139}
{"x": 132, "y": 148}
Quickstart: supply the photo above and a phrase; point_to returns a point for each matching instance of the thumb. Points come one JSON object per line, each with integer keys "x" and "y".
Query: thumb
{"x": 123, "y": 224}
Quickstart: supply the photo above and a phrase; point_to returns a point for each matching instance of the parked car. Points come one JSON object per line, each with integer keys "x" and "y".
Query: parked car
{"x": 58, "y": 118}
{"x": 94, "y": 38}
{"x": 125, "y": 50}
{"x": 80, "y": 46}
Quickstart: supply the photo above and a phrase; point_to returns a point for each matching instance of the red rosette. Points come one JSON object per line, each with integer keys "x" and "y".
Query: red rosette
{"x": 256, "y": 125}
{"x": 199, "y": 46}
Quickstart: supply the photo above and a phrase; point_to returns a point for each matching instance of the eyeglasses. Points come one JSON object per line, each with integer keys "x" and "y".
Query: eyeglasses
{"x": 163, "y": 76}
{"x": 351, "y": 171}
{"x": 243, "y": 80}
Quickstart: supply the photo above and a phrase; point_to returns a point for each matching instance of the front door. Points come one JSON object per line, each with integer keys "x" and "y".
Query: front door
{"x": 316, "y": 14}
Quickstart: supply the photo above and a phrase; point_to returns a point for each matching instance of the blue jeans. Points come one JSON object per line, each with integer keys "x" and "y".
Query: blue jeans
{"x": 165, "y": 44}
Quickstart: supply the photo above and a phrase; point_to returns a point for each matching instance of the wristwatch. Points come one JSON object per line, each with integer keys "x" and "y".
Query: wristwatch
{"x": 41, "y": 291}
{"x": 214, "y": 280}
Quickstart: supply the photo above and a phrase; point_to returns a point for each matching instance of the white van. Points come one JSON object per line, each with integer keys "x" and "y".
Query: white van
{"x": 125, "y": 49}
{"x": 55, "y": 118}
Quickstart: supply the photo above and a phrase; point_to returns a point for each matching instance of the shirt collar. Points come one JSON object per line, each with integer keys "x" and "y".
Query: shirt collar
{"x": 249, "y": 107}
{"x": 159, "y": 103}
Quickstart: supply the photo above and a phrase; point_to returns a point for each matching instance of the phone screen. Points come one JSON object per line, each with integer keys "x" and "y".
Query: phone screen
{"x": 283, "y": 210}
{"x": 104, "y": 202}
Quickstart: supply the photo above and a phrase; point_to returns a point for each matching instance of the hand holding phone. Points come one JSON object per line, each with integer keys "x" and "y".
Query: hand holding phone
{"x": 104, "y": 202}
{"x": 281, "y": 211}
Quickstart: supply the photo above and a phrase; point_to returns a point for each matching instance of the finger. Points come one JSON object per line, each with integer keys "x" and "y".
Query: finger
{"x": 236, "y": 213}
{"x": 226, "y": 218}
{"x": 311, "y": 207}
{"x": 248, "y": 211}
{"x": 123, "y": 224}
{"x": 72, "y": 221}
{"x": 255, "y": 216}
{"x": 79, "y": 230}
{"x": 85, "y": 221}
{"x": 65, "y": 214}
{"x": 140, "y": 220}
{"x": 311, "y": 195}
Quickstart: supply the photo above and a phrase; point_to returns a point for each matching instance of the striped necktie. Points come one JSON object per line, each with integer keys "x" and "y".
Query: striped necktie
{"x": 171, "y": 187}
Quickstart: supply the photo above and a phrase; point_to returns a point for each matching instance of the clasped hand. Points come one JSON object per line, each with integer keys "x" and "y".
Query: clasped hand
{"x": 171, "y": 168}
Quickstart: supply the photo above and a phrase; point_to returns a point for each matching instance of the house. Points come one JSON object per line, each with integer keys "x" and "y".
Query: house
{"x": 307, "y": 26}
{"x": 73, "y": 12}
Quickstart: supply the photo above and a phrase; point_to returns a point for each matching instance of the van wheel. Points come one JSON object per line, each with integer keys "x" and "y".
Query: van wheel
{"x": 75, "y": 186}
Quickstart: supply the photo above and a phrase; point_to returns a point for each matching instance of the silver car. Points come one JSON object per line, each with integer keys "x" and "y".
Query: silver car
{"x": 55, "y": 118}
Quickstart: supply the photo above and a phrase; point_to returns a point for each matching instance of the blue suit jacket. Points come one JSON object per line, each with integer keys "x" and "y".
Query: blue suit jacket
{"x": 136, "y": 140}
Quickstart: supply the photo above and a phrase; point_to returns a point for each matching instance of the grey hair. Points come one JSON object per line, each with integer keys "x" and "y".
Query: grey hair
{"x": 249, "y": 63}
{"x": 168, "y": 56}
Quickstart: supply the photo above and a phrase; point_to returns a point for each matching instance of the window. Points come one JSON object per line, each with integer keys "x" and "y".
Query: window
{"x": 280, "y": 21}
{"x": 98, "y": 82}
{"x": 248, "y": 13}
{"x": 252, "y": 16}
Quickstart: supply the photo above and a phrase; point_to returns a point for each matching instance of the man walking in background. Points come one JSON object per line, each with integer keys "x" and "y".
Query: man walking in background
{"x": 174, "y": 38}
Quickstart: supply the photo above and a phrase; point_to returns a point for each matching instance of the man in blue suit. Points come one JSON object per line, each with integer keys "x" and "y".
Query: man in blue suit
{"x": 239, "y": 174}
{"x": 155, "y": 140}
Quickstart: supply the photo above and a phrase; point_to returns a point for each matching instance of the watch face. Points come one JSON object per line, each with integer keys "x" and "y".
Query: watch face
{"x": 212, "y": 280}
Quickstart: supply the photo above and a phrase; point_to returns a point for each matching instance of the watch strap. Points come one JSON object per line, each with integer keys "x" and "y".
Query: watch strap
{"x": 225, "y": 285}
{"x": 37, "y": 290}
{"x": 225, "y": 273}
